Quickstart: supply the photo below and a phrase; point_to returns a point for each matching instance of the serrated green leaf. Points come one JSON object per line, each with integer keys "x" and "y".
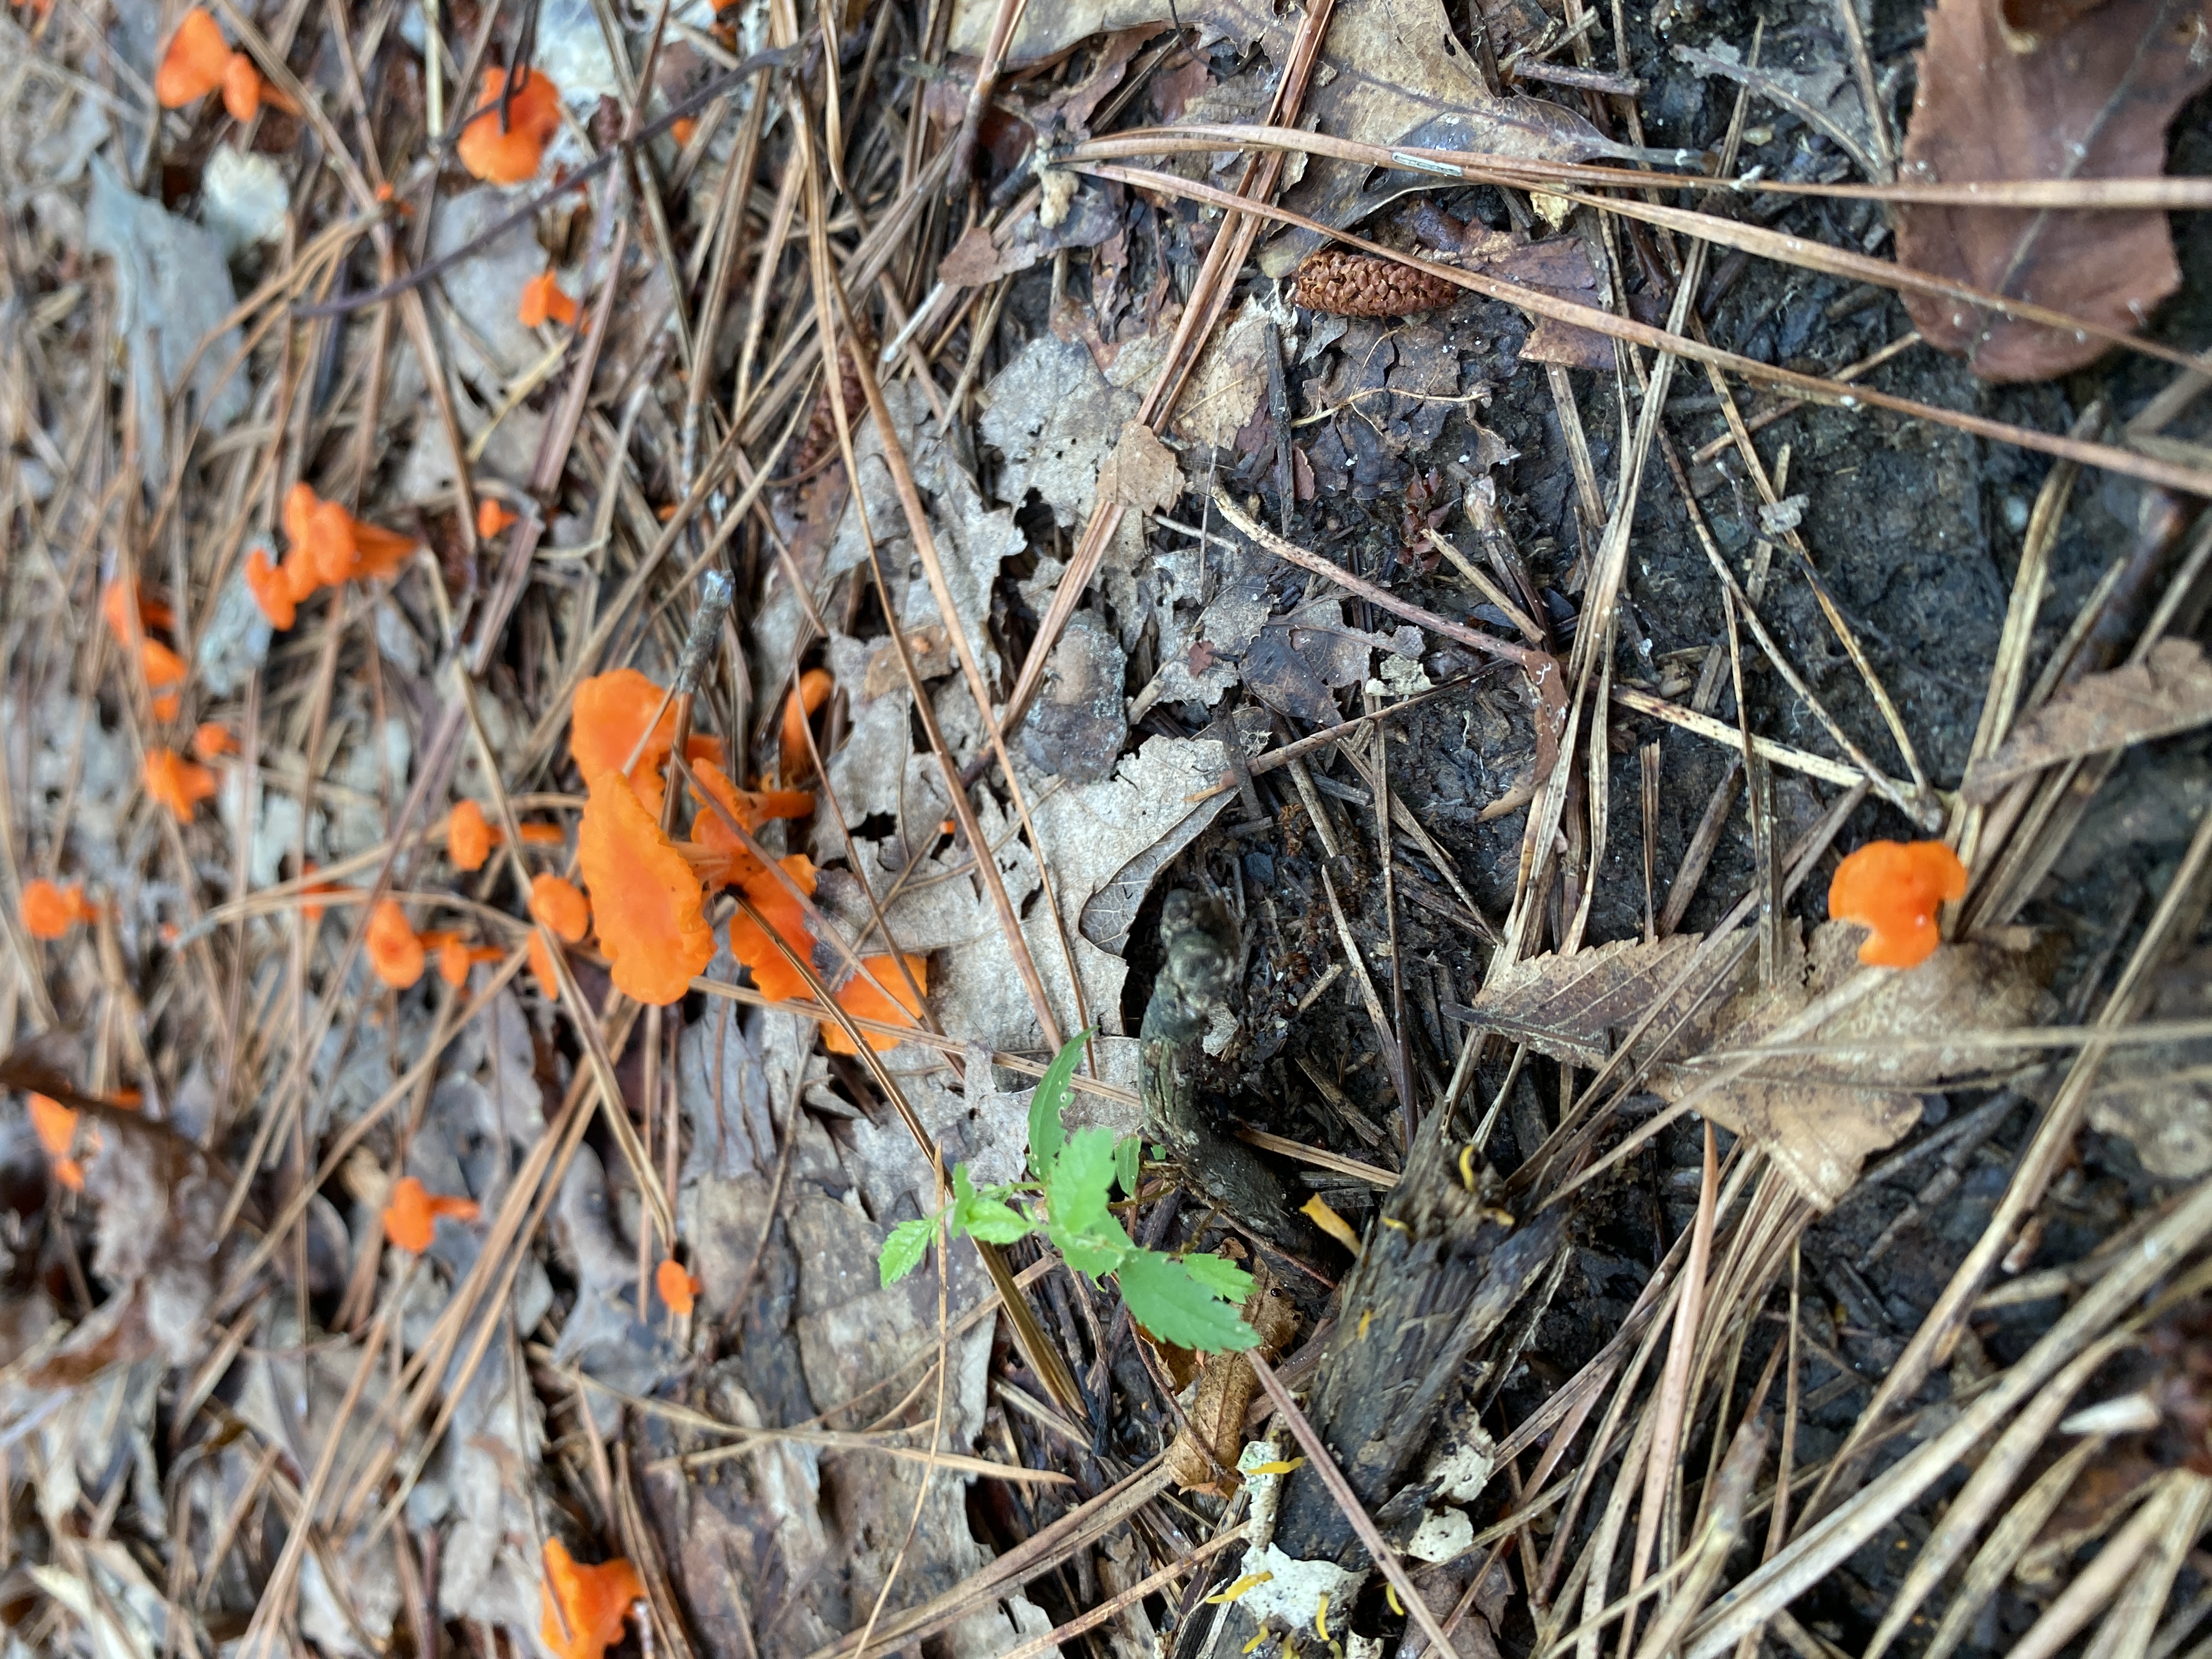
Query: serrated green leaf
{"x": 984, "y": 1215}
{"x": 1128, "y": 1164}
{"x": 1046, "y": 1135}
{"x": 1076, "y": 1193}
{"x": 903, "y": 1250}
{"x": 1164, "y": 1298}
{"x": 1220, "y": 1275}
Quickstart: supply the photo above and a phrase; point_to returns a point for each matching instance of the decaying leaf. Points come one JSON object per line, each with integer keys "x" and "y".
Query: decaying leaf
{"x": 1818, "y": 1116}
{"x": 2169, "y": 692}
{"x": 1204, "y": 1454}
{"x": 2089, "y": 98}
{"x": 2160, "y": 1095}
{"x": 1141, "y": 471}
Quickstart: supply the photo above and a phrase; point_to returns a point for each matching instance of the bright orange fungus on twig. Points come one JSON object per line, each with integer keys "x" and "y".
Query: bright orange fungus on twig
{"x": 858, "y": 997}
{"x": 677, "y": 1288}
{"x": 396, "y": 954}
{"x": 49, "y": 912}
{"x": 584, "y": 1605}
{"x": 810, "y": 693}
{"x": 411, "y": 1219}
{"x": 772, "y": 971}
{"x": 533, "y": 116}
{"x": 176, "y": 783}
{"x": 1895, "y": 888}
{"x": 542, "y": 302}
{"x": 732, "y": 861}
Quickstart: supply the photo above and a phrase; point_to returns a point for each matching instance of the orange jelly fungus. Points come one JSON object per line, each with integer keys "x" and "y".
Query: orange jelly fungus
{"x": 542, "y": 302}
{"x": 730, "y": 861}
{"x": 560, "y": 906}
{"x": 166, "y": 707}
{"x": 808, "y": 695}
{"x": 647, "y": 901}
{"x": 396, "y": 952}
{"x": 456, "y": 955}
{"x": 584, "y": 1605}
{"x": 492, "y": 517}
{"x": 49, "y": 912}
{"x": 469, "y": 838}
{"x": 56, "y": 1126}
{"x": 772, "y": 973}
{"x": 677, "y": 1288}
{"x": 308, "y": 907}
{"x": 681, "y": 130}
{"x": 611, "y": 712}
{"x": 1895, "y": 888}
{"x": 199, "y": 61}
{"x": 212, "y": 738}
{"x": 178, "y": 784}
{"x": 541, "y": 967}
{"x": 128, "y": 612}
{"x": 533, "y": 116}
{"x": 860, "y": 997}
{"x": 340, "y": 547}
{"x": 411, "y": 1218}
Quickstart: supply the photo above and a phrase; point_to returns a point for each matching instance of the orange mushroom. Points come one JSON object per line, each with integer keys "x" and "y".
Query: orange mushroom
{"x": 859, "y": 997}
{"x": 396, "y": 954}
{"x": 468, "y": 836}
{"x": 749, "y": 944}
{"x": 1896, "y": 888}
{"x": 212, "y": 738}
{"x": 613, "y": 713}
{"x": 176, "y": 783}
{"x": 561, "y": 907}
{"x": 308, "y": 906}
{"x": 338, "y": 547}
{"x": 492, "y": 517}
{"x": 808, "y": 695}
{"x": 542, "y": 968}
{"x": 750, "y": 808}
{"x": 411, "y": 1219}
{"x": 56, "y": 1126}
{"x": 163, "y": 667}
{"x": 129, "y": 613}
{"x": 199, "y": 61}
{"x": 49, "y": 912}
{"x": 271, "y": 588}
{"x": 456, "y": 955}
{"x": 510, "y": 154}
{"x": 166, "y": 707}
{"x": 542, "y": 302}
{"x": 585, "y": 1606}
{"x": 678, "y": 1288}
{"x": 647, "y": 901}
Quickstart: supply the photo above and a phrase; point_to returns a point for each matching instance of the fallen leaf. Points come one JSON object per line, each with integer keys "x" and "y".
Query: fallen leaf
{"x": 1141, "y": 471}
{"x": 1577, "y": 1008}
{"x": 2159, "y": 1095}
{"x": 1203, "y": 1455}
{"x": 2169, "y": 692}
{"x": 2091, "y": 99}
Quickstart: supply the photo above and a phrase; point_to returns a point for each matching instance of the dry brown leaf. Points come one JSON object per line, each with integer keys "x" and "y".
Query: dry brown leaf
{"x": 1141, "y": 471}
{"x": 2169, "y": 692}
{"x": 2159, "y": 1095}
{"x": 1818, "y": 1117}
{"x": 2089, "y": 98}
{"x": 1203, "y": 1456}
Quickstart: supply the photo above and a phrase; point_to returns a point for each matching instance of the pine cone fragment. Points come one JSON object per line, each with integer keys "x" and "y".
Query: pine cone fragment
{"x": 1362, "y": 285}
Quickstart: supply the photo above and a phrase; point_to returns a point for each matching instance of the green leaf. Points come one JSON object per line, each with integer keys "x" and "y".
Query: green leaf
{"x": 1167, "y": 1300}
{"x": 1076, "y": 1192}
{"x": 982, "y": 1215}
{"x": 1220, "y": 1275}
{"x": 1129, "y": 1163}
{"x": 1046, "y": 1135}
{"x": 903, "y": 1250}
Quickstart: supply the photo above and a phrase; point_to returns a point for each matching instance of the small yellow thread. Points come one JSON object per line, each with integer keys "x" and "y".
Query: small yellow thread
{"x": 1278, "y": 1467}
{"x": 1316, "y": 1210}
{"x": 1320, "y": 1616}
{"x": 1466, "y": 1166}
{"x": 1258, "y": 1637}
{"x": 1250, "y": 1581}
{"x": 1396, "y": 1225}
{"x": 1366, "y": 1319}
{"x": 1390, "y": 1594}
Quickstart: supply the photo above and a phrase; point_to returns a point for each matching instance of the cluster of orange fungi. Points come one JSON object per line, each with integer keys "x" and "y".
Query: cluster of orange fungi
{"x": 542, "y": 302}
{"x": 129, "y": 613}
{"x": 327, "y": 546}
{"x": 411, "y": 1216}
{"x": 1895, "y": 889}
{"x": 199, "y": 61}
{"x": 584, "y": 1607}
{"x": 49, "y": 911}
{"x": 56, "y": 1126}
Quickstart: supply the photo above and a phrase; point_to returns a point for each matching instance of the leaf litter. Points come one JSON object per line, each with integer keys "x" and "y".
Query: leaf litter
{"x": 566, "y": 1317}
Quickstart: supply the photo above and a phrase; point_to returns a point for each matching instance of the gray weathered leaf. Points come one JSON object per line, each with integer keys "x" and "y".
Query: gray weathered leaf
{"x": 2169, "y": 692}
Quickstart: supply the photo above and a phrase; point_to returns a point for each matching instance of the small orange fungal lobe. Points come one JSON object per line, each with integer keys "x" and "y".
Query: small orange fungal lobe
{"x": 308, "y": 906}
{"x": 710, "y": 831}
{"x": 647, "y": 901}
{"x": 681, "y": 131}
{"x": 453, "y": 962}
{"x": 49, "y": 911}
{"x": 584, "y": 1607}
{"x": 542, "y": 834}
{"x": 195, "y": 64}
{"x": 163, "y": 667}
{"x": 558, "y": 903}
{"x": 396, "y": 953}
{"x": 860, "y": 998}
{"x": 166, "y": 707}
{"x": 492, "y": 519}
{"x": 469, "y": 838}
{"x": 241, "y": 87}
{"x": 411, "y": 1216}
{"x": 611, "y": 713}
{"x": 773, "y": 973}
{"x": 55, "y": 1125}
{"x": 510, "y": 155}
{"x": 799, "y": 707}
{"x": 542, "y": 302}
{"x": 542, "y": 968}
{"x": 212, "y": 738}
{"x": 679, "y": 1289}
{"x": 177, "y": 783}
{"x": 1896, "y": 889}
{"x": 271, "y": 588}
{"x": 128, "y": 612}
